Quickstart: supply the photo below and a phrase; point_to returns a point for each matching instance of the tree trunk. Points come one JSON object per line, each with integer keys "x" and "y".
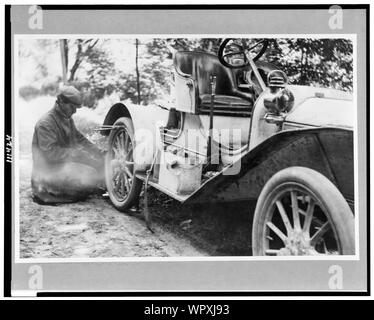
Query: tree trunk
{"x": 77, "y": 62}
{"x": 64, "y": 59}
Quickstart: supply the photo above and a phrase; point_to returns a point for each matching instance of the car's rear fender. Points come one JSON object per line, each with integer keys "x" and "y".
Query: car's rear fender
{"x": 117, "y": 111}
{"x": 146, "y": 120}
{"x": 326, "y": 150}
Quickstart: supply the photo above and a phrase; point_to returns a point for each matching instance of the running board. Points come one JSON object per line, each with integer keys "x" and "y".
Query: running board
{"x": 154, "y": 184}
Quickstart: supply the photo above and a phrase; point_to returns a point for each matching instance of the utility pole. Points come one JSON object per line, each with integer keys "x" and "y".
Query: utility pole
{"x": 137, "y": 69}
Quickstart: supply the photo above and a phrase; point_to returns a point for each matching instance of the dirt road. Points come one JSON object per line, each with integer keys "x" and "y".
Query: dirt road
{"x": 93, "y": 228}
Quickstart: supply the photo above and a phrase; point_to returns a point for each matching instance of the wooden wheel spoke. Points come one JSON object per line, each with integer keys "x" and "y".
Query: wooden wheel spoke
{"x": 123, "y": 141}
{"x": 308, "y": 216}
{"x": 295, "y": 211}
{"x": 116, "y": 152}
{"x": 118, "y": 142}
{"x": 126, "y": 144}
{"x": 117, "y": 185}
{"x": 129, "y": 153}
{"x": 115, "y": 175}
{"x": 325, "y": 248}
{"x": 116, "y": 147}
{"x": 126, "y": 182}
{"x": 128, "y": 172}
{"x": 123, "y": 184}
{"x": 284, "y": 216}
{"x": 320, "y": 233}
{"x": 278, "y": 232}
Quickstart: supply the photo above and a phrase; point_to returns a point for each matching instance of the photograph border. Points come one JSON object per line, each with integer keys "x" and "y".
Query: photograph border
{"x": 18, "y": 259}
{"x": 8, "y": 183}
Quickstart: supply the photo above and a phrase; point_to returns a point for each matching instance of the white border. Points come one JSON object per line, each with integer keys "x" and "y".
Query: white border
{"x": 356, "y": 257}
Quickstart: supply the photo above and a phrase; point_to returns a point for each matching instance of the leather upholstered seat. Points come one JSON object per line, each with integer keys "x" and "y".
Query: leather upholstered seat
{"x": 229, "y": 100}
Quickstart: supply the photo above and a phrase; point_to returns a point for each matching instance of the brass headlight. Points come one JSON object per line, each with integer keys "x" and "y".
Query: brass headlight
{"x": 286, "y": 100}
{"x": 282, "y": 101}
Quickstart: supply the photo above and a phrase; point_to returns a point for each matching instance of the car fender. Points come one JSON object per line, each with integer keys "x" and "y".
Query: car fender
{"x": 326, "y": 150}
{"x": 146, "y": 121}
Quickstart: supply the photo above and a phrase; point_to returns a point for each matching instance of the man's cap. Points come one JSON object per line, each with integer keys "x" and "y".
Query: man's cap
{"x": 72, "y": 95}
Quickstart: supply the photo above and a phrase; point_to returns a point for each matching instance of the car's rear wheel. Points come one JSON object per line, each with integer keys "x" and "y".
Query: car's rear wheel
{"x": 122, "y": 185}
{"x": 301, "y": 212}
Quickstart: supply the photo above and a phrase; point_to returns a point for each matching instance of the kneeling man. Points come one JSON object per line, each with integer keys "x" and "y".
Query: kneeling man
{"x": 66, "y": 166}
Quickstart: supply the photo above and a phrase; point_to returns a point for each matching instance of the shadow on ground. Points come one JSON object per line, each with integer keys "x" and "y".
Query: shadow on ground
{"x": 220, "y": 229}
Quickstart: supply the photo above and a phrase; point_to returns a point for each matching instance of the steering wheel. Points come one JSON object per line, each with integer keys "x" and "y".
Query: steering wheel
{"x": 229, "y": 52}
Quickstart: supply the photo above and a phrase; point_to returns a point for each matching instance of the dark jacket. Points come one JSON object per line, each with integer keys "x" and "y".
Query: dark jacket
{"x": 56, "y": 141}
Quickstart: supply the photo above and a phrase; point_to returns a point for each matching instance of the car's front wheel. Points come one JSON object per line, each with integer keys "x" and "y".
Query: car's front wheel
{"x": 301, "y": 212}
{"x": 122, "y": 184}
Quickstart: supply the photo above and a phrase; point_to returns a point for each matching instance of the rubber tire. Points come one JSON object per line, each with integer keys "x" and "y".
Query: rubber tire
{"x": 337, "y": 208}
{"x": 133, "y": 196}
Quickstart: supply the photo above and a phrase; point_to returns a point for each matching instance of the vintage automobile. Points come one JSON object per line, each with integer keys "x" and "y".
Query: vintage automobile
{"x": 239, "y": 131}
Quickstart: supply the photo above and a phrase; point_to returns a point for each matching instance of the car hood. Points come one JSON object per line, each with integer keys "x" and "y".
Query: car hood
{"x": 321, "y": 107}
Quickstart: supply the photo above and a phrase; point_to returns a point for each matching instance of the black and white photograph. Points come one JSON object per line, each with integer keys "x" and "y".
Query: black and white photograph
{"x": 179, "y": 133}
{"x": 214, "y": 151}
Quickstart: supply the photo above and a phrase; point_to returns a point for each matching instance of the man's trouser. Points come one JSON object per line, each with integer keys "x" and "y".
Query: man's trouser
{"x": 71, "y": 182}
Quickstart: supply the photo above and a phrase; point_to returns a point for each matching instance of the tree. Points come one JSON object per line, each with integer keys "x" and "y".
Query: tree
{"x": 91, "y": 64}
{"x": 324, "y": 62}
{"x": 84, "y": 48}
{"x": 97, "y": 67}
